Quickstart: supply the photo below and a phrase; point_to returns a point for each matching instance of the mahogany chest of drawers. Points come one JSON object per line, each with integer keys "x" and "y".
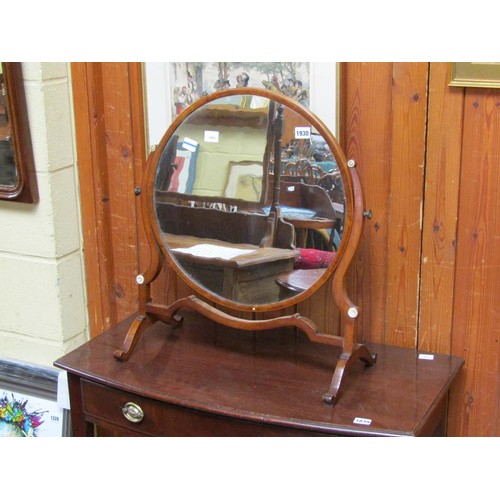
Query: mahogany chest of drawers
{"x": 201, "y": 379}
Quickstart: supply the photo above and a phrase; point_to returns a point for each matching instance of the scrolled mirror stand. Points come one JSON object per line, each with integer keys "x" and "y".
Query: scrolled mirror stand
{"x": 352, "y": 351}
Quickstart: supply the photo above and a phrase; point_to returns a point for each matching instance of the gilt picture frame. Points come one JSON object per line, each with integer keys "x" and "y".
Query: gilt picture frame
{"x": 475, "y": 74}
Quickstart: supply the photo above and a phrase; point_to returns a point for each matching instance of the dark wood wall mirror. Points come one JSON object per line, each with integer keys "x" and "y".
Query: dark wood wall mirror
{"x": 249, "y": 197}
{"x": 17, "y": 176}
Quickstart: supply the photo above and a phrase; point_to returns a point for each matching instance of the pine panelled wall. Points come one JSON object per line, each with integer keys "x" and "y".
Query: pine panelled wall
{"x": 427, "y": 273}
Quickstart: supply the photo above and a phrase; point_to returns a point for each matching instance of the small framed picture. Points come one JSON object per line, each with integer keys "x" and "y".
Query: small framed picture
{"x": 29, "y": 405}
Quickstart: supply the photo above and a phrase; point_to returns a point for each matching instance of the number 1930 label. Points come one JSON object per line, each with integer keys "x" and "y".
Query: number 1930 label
{"x": 302, "y": 132}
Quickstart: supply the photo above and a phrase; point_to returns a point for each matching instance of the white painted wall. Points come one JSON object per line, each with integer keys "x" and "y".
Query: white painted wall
{"x": 42, "y": 293}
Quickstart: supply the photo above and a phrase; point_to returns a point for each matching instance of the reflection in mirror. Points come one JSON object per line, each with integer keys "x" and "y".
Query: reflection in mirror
{"x": 8, "y": 171}
{"x": 307, "y": 160}
{"x": 219, "y": 151}
{"x": 249, "y": 199}
{"x": 17, "y": 178}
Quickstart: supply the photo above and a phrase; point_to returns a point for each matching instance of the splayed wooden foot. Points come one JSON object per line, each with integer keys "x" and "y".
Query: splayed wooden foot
{"x": 138, "y": 326}
{"x": 347, "y": 359}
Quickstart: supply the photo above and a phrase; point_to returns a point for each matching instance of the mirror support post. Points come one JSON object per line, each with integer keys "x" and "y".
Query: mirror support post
{"x": 144, "y": 319}
{"x": 351, "y": 350}
{"x": 278, "y": 133}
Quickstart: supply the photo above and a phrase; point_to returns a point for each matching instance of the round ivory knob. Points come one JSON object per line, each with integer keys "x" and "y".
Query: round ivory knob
{"x": 352, "y": 312}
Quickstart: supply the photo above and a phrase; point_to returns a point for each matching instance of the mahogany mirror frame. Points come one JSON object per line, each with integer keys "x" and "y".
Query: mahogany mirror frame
{"x": 25, "y": 190}
{"x": 348, "y": 186}
{"x": 150, "y": 312}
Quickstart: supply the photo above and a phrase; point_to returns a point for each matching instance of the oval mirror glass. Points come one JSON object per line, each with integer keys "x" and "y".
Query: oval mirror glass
{"x": 251, "y": 199}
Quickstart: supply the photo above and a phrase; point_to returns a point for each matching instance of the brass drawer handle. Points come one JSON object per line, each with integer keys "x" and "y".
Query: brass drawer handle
{"x": 133, "y": 412}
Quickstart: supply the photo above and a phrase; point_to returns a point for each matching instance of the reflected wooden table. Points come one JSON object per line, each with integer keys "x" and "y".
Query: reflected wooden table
{"x": 302, "y": 226}
{"x": 298, "y": 281}
{"x": 206, "y": 380}
{"x": 247, "y": 277}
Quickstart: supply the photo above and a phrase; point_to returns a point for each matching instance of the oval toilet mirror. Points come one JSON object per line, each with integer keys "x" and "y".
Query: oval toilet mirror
{"x": 251, "y": 199}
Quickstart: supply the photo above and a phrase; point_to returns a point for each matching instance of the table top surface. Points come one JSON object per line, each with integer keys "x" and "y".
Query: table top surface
{"x": 256, "y": 256}
{"x": 276, "y": 377}
{"x": 300, "y": 280}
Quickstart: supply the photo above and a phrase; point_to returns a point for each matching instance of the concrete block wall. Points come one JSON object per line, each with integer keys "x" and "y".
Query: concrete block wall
{"x": 42, "y": 293}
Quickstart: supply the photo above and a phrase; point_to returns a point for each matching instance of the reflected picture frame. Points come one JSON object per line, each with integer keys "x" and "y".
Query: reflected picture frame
{"x": 475, "y": 74}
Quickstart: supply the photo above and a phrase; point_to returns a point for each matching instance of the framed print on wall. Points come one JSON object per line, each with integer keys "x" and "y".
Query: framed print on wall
{"x": 191, "y": 80}
{"x": 475, "y": 74}
{"x": 30, "y": 401}
{"x": 171, "y": 86}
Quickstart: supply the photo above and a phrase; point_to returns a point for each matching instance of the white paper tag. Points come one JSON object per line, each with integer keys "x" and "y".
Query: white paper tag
{"x": 426, "y": 356}
{"x": 302, "y": 132}
{"x": 362, "y": 421}
{"x": 62, "y": 390}
{"x": 211, "y": 136}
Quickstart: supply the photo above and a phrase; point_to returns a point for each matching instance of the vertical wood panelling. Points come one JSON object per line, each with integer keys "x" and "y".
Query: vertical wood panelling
{"x": 442, "y": 178}
{"x": 476, "y": 310}
{"x": 409, "y": 110}
{"x": 366, "y": 125}
{"x": 384, "y": 111}
{"x": 139, "y": 157}
{"x": 327, "y": 319}
{"x": 88, "y": 209}
{"x": 434, "y": 286}
{"x": 105, "y": 144}
{"x": 88, "y": 106}
{"x": 119, "y": 197}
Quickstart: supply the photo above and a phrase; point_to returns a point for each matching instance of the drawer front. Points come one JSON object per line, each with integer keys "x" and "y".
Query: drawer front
{"x": 104, "y": 406}
{"x": 108, "y": 406}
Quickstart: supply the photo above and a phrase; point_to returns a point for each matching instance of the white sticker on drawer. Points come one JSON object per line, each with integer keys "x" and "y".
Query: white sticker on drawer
{"x": 426, "y": 356}
{"x": 362, "y": 421}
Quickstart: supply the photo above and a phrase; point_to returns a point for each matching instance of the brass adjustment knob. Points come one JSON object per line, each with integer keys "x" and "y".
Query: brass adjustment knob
{"x": 133, "y": 412}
